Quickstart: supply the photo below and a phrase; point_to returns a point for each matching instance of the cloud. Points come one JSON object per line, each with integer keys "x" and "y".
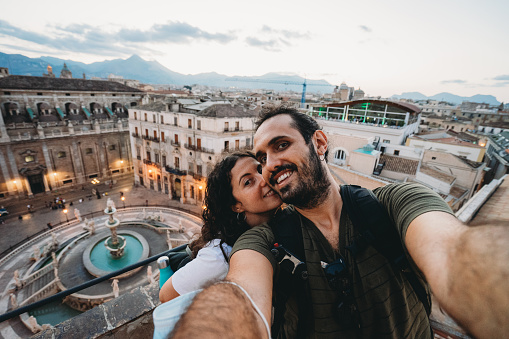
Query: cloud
{"x": 85, "y": 38}
{"x": 285, "y": 33}
{"x": 268, "y": 45}
{"x": 502, "y": 77}
{"x": 365, "y": 28}
{"x": 457, "y": 81}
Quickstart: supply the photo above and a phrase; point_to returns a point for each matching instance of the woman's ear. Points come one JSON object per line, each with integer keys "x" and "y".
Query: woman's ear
{"x": 238, "y": 208}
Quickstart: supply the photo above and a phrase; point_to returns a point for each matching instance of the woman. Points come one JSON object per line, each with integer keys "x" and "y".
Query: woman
{"x": 236, "y": 198}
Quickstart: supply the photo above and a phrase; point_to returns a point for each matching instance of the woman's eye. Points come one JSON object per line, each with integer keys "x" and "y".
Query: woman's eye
{"x": 247, "y": 182}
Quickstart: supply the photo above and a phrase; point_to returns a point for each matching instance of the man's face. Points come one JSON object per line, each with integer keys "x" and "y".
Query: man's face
{"x": 289, "y": 165}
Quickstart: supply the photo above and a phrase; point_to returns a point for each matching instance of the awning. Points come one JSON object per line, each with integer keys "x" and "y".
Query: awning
{"x": 87, "y": 113}
{"x": 62, "y": 116}
{"x": 31, "y": 113}
{"x": 109, "y": 111}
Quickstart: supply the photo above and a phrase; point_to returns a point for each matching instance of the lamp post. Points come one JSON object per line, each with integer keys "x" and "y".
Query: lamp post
{"x": 65, "y": 212}
{"x": 123, "y": 200}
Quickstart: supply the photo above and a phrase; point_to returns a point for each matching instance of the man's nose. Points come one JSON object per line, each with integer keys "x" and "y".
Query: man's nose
{"x": 271, "y": 165}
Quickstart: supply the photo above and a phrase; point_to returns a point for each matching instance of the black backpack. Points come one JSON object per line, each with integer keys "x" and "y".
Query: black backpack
{"x": 369, "y": 218}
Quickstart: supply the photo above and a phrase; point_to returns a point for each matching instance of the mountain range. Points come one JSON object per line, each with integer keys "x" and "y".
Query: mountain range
{"x": 152, "y": 72}
{"x": 448, "y": 97}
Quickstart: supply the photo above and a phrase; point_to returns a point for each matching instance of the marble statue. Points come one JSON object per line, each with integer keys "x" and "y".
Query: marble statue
{"x": 77, "y": 214}
{"x": 110, "y": 204}
{"x": 150, "y": 278}
{"x": 116, "y": 290}
{"x": 14, "y": 302}
{"x": 54, "y": 257}
{"x": 37, "y": 252}
{"x": 54, "y": 240}
{"x": 168, "y": 239}
{"x": 34, "y": 326}
{"x": 17, "y": 281}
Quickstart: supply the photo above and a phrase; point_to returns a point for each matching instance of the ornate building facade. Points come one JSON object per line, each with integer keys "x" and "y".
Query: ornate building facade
{"x": 58, "y": 132}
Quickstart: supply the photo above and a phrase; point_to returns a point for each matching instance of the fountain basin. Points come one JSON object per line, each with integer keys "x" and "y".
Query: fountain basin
{"x": 98, "y": 261}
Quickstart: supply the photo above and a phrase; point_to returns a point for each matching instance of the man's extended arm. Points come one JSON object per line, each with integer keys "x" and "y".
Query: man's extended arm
{"x": 467, "y": 269}
{"x": 222, "y": 311}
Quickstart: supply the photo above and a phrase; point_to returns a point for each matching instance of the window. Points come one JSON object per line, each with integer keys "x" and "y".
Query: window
{"x": 396, "y": 152}
{"x": 7, "y": 93}
{"x": 135, "y": 116}
{"x": 175, "y": 121}
{"x": 198, "y": 169}
{"x": 226, "y": 145}
{"x": 198, "y": 124}
{"x": 89, "y": 150}
{"x": 154, "y": 118}
{"x": 237, "y": 144}
{"x": 39, "y": 93}
{"x": 149, "y": 158}
{"x": 387, "y": 141}
{"x": 29, "y": 158}
{"x": 162, "y": 119}
{"x": 177, "y": 163}
{"x": 189, "y": 123}
{"x": 248, "y": 142}
{"x": 155, "y": 134}
{"x": 136, "y": 131}
{"x": 198, "y": 143}
{"x": 156, "y": 156}
{"x": 191, "y": 167}
{"x": 433, "y": 158}
{"x": 340, "y": 155}
{"x": 69, "y": 181}
{"x": 61, "y": 155}
{"x": 164, "y": 160}
{"x": 237, "y": 125}
{"x": 162, "y": 136}
{"x": 112, "y": 147}
{"x": 146, "y": 132}
{"x": 176, "y": 138}
{"x": 138, "y": 152}
{"x": 67, "y": 94}
{"x": 192, "y": 191}
{"x": 145, "y": 116}
{"x": 189, "y": 141}
{"x": 226, "y": 126}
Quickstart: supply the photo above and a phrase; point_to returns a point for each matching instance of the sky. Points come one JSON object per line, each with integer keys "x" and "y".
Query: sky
{"x": 383, "y": 47}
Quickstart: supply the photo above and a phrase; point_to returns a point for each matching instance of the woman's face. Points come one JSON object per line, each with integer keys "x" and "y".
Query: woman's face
{"x": 253, "y": 195}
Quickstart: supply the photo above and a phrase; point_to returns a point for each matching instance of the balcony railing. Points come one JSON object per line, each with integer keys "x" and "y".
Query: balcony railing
{"x": 148, "y": 162}
{"x": 174, "y": 170}
{"x": 175, "y": 144}
{"x": 191, "y": 147}
{"x": 154, "y": 139}
{"x": 205, "y": 150}
{"x": 135, "y": 135}
{"x": 233, "y": 129}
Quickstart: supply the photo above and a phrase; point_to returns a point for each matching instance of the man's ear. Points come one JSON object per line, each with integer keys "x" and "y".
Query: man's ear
{"x": 321, "y": 142}
{"x": 238, "y": 208}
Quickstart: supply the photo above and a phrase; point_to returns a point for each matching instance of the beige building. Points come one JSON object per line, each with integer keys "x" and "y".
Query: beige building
{"x": 58, "y": 132}
{"x": 176, "y": 146}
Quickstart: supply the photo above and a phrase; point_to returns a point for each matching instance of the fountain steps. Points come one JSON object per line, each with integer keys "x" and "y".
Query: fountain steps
{"x": 39, "y": 283}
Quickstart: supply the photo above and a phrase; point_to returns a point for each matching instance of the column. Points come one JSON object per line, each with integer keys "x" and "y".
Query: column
{"x": 45, "y": 180}
{"x": 48, "y": 163}
{"x": 29, "y": 189}
{"x": 76, "y": 159}
{"x": 14, "y": 169}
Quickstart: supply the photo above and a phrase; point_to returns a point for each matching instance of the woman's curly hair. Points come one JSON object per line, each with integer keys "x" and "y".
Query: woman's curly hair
{"x": 219, "y": 220}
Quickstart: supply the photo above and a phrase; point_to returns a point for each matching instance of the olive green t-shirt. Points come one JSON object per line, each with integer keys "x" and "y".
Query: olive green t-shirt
{"x": 386, "y": 303}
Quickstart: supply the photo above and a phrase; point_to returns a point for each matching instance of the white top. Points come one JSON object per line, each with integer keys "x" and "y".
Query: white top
{"x": 208, "y": 266}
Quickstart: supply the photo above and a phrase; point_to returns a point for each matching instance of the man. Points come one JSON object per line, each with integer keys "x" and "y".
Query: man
{"x": 465, "y": 267}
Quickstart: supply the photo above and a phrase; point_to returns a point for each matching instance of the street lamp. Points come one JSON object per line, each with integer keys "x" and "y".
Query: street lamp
{"x": 65, "y": 212}
{"x": 123, "y": 200}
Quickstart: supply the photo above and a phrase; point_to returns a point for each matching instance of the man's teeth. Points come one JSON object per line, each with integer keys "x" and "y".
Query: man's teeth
{"x": 283, "y": 177}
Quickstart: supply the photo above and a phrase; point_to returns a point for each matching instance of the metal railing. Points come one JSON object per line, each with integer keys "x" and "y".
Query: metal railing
{"x": 63, "y": 294}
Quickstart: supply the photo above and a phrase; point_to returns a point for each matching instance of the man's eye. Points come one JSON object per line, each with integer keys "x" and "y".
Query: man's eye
{"x": 262, "y": 160}
{"x": 282, "y": 145}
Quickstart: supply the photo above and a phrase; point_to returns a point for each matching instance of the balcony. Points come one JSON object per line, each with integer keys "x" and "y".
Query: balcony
{"x": 189, "y": 146}
{"x": 150, "y": 163}
{"x": 154, "y": 139}
{"x": 205, "y": 150}
{"x": 233, "y": 129}
{"x": 135, "y": 135}
{"x": 175, "y": 144}
{"x": 174, "y": 170}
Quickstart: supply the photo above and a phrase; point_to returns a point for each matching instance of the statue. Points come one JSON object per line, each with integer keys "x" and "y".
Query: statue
{"x": 14, "y": 302}
{"x": 17, "y": 281}
{"x": 161, "y": 215}
{"x": 144, "y": 214}
{"x": 37, "y": 252}
{"x": 55, "y": 271}
{"x": 110, "y": 205}
{"x": 150, "y": 278}
{"x": 54, "y": 240}
{"x": 116, "y": 290}
{"x": 181, "y": 228}
{"x": 77, "y": 214}
{"x": 89, "y": 226}
{"x": 34, "y": 326}
{"x": 168, "y": 239}
{"x": 54, "y": 257}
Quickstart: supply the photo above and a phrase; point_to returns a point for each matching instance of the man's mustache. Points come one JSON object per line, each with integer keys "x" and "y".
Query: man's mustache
{"x": 281, "y": 168}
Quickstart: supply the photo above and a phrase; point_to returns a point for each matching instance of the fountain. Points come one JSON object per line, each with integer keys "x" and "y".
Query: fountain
{"x": 116, "y": 243}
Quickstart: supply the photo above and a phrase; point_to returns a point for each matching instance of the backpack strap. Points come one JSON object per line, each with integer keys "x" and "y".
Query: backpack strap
{"x": 371, "y": 220}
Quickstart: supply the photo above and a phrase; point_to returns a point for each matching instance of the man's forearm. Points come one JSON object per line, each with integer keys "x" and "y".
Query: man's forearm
{"x": 478, "y": 281}
{"x": 221, "y": 311}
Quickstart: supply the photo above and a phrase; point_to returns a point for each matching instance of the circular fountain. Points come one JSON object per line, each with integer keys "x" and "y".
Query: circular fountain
{"x": 115, "y": 244}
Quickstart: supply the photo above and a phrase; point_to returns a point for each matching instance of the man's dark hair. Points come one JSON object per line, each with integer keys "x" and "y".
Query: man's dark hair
{"x": 303, "y": 123}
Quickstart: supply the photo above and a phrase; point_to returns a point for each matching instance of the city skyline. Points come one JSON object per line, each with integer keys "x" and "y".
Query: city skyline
{"x": 384, "y": 48}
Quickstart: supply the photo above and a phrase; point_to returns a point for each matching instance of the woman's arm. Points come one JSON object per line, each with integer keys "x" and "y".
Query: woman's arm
{"x": 168, "y": 292}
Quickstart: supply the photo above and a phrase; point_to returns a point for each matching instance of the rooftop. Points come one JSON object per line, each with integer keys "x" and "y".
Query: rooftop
{"x": 438, "y": 174}
{"x": 398, "y": 164}
{"x": 23, "y": 82}
{"x": 227, "y": 110}
{"x": 494, "y": 211}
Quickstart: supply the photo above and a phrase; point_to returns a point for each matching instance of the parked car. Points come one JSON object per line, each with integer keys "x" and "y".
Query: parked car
{"x": 3, "y": 212}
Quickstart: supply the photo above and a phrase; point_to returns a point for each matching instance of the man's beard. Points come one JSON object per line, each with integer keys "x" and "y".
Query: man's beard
{"x": 313, "y": 186}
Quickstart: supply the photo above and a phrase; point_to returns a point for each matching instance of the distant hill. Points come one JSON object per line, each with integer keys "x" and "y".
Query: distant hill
{"x": 452, "y": 98}
{"x": 150, "y": 72}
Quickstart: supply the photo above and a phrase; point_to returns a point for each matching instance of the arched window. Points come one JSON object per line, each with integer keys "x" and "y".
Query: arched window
{"x": 340, "y": 156}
